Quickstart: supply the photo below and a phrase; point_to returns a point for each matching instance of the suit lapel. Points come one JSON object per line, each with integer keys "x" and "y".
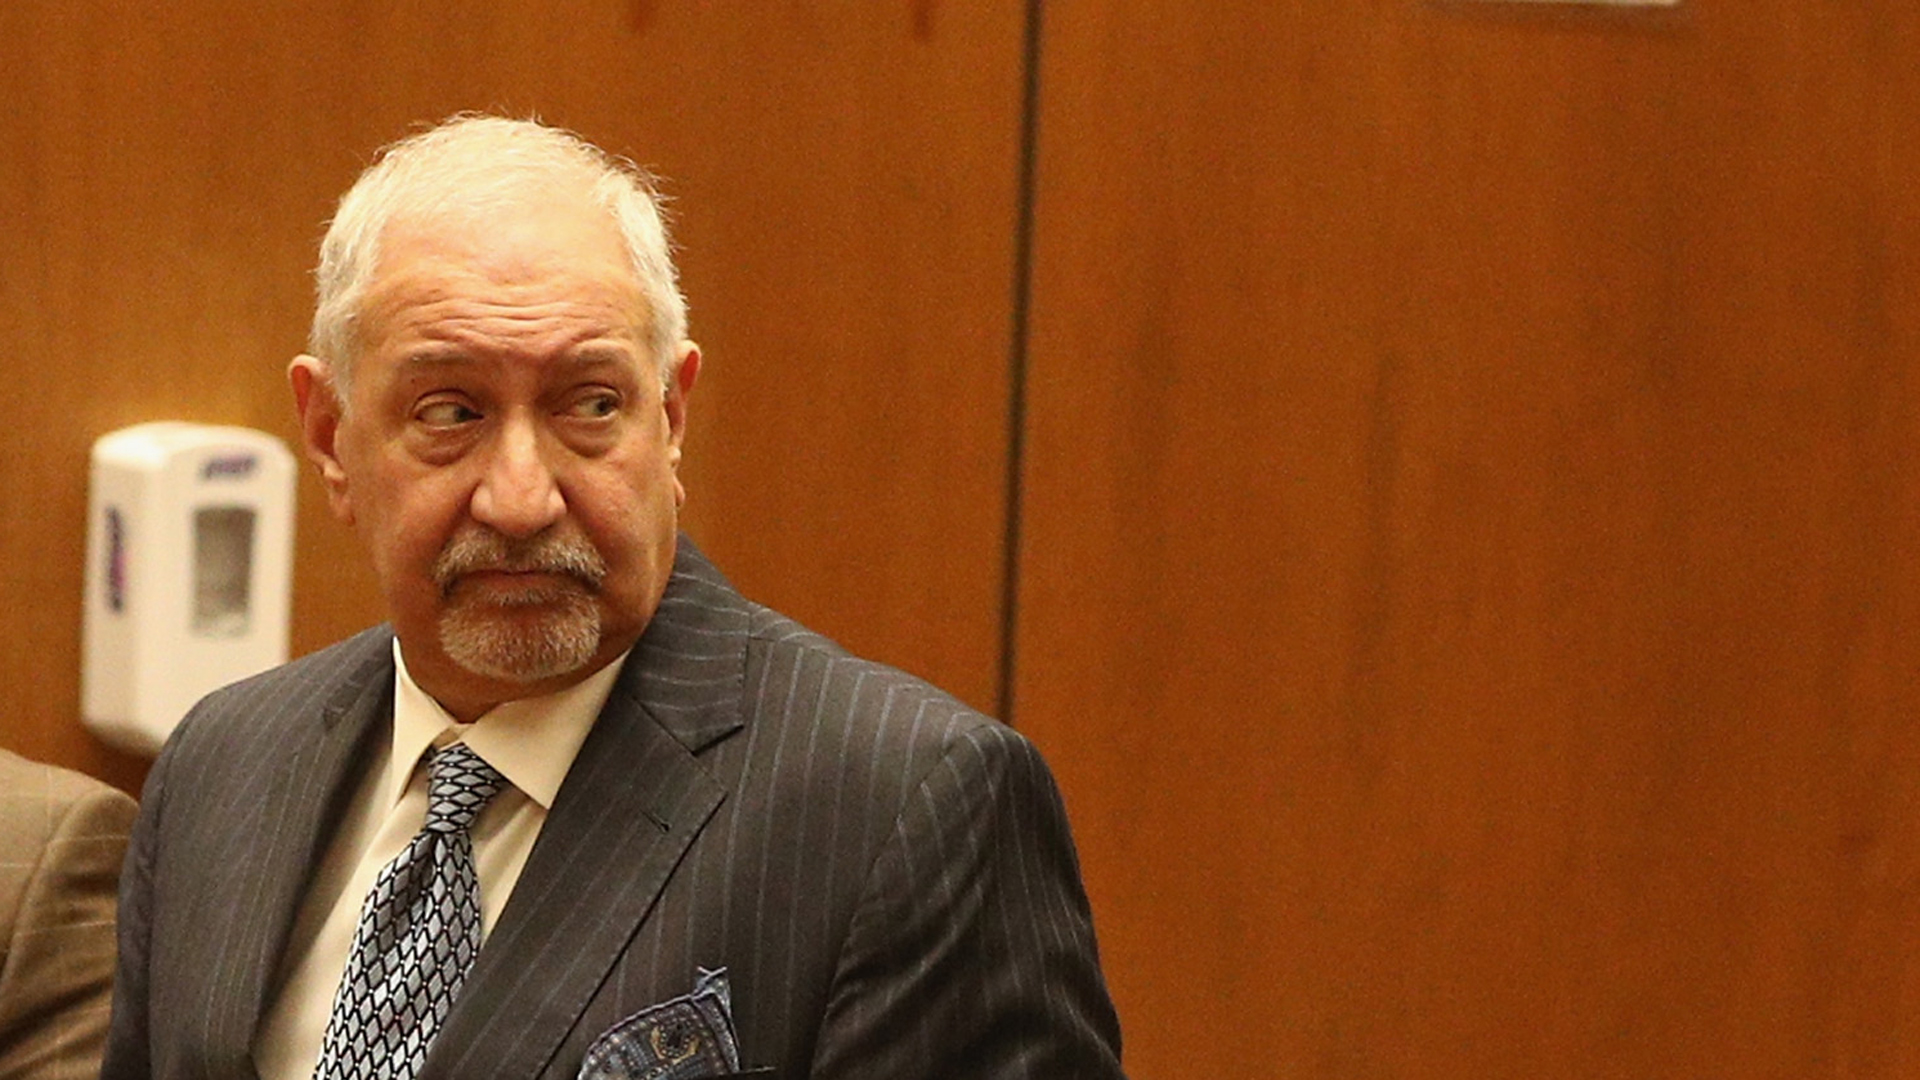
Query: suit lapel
{"x": 633, "y": 802}
{"x": 298, "y": 813}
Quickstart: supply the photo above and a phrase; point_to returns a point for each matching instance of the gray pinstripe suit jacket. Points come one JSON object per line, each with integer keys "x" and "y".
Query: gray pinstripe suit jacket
{"x": 886, "y": 874}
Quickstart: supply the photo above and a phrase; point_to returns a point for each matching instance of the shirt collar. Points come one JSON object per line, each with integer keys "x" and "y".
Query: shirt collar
{"x": 531, "y": 742}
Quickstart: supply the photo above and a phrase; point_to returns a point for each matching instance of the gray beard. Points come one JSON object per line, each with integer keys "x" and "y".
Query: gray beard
{"x": 490, "y": 637}
{"x": 495, "y": 642}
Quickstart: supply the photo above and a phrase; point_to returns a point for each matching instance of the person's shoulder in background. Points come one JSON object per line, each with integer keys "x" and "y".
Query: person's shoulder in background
{"x": 62, "y": 838}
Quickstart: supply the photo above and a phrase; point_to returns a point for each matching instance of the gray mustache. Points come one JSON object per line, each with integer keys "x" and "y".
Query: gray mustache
{"x": 481, "y": 550}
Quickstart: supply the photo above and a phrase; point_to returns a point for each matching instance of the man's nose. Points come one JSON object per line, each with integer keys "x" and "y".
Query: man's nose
{"x": 518, "y": 494}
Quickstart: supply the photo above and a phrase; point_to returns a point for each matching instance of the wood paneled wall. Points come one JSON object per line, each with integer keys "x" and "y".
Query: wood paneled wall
{"x": 1468, "y": 576}
{"x": 1465, "y": 527}
{"x": 844, "y": 178}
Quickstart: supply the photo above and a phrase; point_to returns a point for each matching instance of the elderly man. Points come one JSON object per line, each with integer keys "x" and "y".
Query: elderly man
{"x": 582, "y": 809}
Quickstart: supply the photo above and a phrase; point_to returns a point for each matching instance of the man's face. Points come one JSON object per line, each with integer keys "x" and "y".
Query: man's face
{"x": 509, "y": 453}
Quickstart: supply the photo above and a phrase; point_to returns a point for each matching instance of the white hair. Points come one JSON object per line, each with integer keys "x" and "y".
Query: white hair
{"x": 473, "y": 163}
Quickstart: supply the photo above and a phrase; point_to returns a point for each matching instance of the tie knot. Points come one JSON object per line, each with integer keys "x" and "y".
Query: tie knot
{"x": 459, "y": 783}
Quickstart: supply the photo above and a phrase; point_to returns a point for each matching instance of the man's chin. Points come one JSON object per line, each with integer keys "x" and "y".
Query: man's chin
{"x": 524, "y": 642}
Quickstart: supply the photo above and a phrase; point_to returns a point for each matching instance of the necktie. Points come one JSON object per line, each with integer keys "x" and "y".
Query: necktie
{"x": 417, "y": 936}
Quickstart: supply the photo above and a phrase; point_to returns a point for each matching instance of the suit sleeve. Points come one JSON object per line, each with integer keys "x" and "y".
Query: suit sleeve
{"x": 972, "y": 953}
{"x": 127, "y": 1055}
{"x": 57, "y": 980}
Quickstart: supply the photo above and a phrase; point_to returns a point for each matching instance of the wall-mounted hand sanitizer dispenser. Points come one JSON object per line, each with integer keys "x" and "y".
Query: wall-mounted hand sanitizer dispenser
{"x": 189, "y": 569}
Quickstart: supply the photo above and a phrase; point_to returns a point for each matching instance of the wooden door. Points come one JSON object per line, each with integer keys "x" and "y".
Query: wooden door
{"x": 1467, "y": 581}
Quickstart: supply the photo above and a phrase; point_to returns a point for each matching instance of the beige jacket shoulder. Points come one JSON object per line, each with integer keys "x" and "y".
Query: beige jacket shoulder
{"x": 62, "y": 837}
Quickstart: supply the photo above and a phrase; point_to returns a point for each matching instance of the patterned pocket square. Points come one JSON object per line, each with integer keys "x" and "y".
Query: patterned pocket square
{"x": 688, "y": 1038}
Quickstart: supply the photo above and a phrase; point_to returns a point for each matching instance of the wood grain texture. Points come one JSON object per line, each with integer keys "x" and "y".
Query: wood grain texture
{"x": 1467, "y": 576}
{"x": 844, "y": 177}
{"x": 1467, "y": 579}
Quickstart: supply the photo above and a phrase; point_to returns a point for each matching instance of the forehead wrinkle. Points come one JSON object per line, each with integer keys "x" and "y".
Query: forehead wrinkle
{"x": 490, "y": 293}
{"x": 422, "y": 288}
{"x": 575, "y": 356}
{"x": 592, "y": 354}
{"x": 495, "y": 323}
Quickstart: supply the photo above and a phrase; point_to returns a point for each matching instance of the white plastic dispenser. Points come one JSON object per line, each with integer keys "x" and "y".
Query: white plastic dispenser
{"x": 189, "y": 572}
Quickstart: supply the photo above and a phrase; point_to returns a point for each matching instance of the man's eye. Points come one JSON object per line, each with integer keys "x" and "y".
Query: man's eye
{"x": 595, "y": 405}
{"x": 445, "y": 414}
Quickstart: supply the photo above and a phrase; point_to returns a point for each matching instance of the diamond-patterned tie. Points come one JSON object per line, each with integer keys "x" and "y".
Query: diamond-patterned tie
{"x": 417, "y": 936}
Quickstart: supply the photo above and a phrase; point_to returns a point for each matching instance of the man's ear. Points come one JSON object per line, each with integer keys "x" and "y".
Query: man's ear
{"x": 319, "y": 406}
{"x": 685, "y": 373}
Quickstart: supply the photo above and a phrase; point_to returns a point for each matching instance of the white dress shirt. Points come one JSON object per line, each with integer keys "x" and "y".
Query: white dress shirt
{"x": 531, "y": 743}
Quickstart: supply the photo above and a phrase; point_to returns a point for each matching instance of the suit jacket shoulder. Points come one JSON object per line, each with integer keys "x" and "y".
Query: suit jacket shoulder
{"x": 264, "y": 709}
{"x": 968, "y": 949}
